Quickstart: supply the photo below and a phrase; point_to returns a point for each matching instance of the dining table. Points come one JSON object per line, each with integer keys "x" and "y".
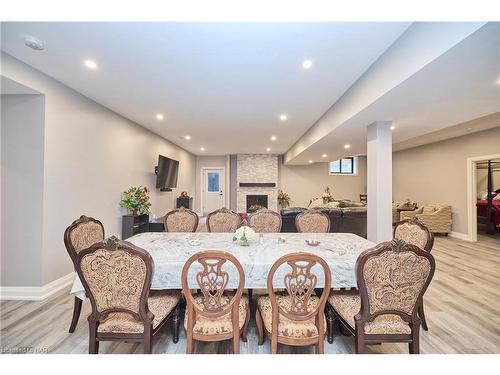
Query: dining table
{"x": 170, "y": 251}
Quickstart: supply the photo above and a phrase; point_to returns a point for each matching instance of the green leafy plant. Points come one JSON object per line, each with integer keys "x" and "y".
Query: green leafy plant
{"x": 283, "y": 199}
{"x": 136, "y": 200}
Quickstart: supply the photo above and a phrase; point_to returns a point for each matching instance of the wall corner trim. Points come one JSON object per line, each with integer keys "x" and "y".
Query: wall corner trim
{"x": 35, "y": 293}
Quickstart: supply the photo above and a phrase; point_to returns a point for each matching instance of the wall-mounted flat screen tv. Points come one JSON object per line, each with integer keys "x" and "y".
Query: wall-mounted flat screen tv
{"x": 166, "y": 173}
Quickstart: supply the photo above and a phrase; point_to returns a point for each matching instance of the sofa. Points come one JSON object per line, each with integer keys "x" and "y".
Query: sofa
{"x": 436, "y": 217}
{"x": 398, "y": 207}
{"x": 348, "y": 217}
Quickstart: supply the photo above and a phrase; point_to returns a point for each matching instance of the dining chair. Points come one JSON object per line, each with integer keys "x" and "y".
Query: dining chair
{"x": 81, "y": 234}
{"x": 117, "y": 276}
{"x": 265, "y": 221}
{"x": 223, "y": 220}
{"x": 296, "y": 316}
{"x": 392, "y": 278}
{"x": 312, "y": 221}
{"x": 415, "y": 233}
{"x": 214, "y": 314}
{"x": 181, "y": 220}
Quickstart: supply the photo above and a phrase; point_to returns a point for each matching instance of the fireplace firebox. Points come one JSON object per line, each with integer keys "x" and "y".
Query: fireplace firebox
{"x": 256, "y": 202}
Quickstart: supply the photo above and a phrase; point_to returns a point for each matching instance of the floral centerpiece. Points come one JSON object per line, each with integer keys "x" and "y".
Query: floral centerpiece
{"x": 283, "y": 199}
{"x": 327, "y": 196}
{"x": 136, "y": 200}
{"x": 244, "y": 235}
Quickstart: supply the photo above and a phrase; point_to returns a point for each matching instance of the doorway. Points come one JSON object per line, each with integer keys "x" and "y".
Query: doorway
{"x": 213, "y": 192}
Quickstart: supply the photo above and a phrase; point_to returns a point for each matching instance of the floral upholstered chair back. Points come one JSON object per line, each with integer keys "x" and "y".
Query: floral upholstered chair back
{"x": 223, "y": 220}
{"x": 181, "y": 220}
{"x": 117, "y": 278}
{"x": 414, "y": 233}
{"x": 81, "y": 234}
{"x": 312, "y": 221}
{"x": 265, "y": 221}
{"x": 392, "y": 278}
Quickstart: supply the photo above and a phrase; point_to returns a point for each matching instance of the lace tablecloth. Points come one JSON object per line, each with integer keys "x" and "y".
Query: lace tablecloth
{"x": 171, "y": 250}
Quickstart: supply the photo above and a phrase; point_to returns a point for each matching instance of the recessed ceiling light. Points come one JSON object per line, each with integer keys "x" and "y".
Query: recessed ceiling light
{"x": 307, "y": 64}
{"x": 347, "y": 146}
{"x": 393, "y": 127}
{"x": 273, "y": 138}
{"x": 34, "y": 43}
{"x": 159, "y": 116}
{"x": 310, "y": 161}
{"x": 91, "y": 64}
{"x": 187, "y": 137}
{"x": 324, "y": 155}
{"x": 283, "y": 117}
{"x": 202, "y": 148}
{"x": 268, "y": 149}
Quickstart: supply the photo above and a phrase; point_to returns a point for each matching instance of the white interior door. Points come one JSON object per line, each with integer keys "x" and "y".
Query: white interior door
{"x": 213, "y": 190}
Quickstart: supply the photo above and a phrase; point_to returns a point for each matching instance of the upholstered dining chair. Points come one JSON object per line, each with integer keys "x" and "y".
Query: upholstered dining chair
{"x": 312, "y": 221}
{"x": 415, "y": 233}
{"x": 223, "y": 220}
{"x": 181, "y": 220}
{"x": 265, "y": 221}
{"x": 117, "y": 277}
{"x": 295, "y": 317}
{"x": 214, "y": 314}
{"x": 81, "y": 234}
{"x": 392, "y": 278}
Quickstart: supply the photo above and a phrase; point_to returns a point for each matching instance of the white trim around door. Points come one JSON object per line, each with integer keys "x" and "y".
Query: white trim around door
{"x": 472, "y": 194}
{"x": 202, "y": 185}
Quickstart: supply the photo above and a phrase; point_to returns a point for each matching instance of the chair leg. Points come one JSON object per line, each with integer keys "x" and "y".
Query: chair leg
{"x": 77, "y": 308}
{"x": 260, "y": 326}
{"x": 414, "y": 345}
{"x": 421, "y": 314}
{"x": 148, "y": 344}
{"x": 244, "y": 330}
{"x": 176, "y": 321}
{"x": 93, "y": 343}
{"x": 330, "y": 323}
{"x": 359, "y": 344}
{"x": 274, "y": 345}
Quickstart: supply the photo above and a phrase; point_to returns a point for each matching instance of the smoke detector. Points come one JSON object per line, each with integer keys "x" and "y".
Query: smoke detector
{"x": 34, "y": 43}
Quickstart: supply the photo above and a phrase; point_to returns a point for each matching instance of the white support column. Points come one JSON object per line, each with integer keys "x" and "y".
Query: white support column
{"x": 379, "y": 181}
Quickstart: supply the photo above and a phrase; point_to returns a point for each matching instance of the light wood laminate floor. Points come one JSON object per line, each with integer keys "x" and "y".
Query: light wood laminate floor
{"x": 462, "y": 309}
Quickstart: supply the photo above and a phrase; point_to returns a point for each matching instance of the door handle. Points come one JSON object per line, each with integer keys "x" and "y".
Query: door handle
{"x": 221, "y": 193}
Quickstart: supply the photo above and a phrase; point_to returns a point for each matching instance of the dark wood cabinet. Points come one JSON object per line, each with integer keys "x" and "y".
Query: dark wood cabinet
{"x": 134, "y": 224}
{"x": 185, "y": 202}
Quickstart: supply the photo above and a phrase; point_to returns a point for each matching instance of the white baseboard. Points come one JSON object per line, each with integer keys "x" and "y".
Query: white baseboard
{"x": 35, "y": 293}
{"x": 460, "y": 236}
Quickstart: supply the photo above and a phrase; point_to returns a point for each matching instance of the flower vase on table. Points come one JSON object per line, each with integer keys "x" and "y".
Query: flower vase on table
{"x": 244, "y": 236}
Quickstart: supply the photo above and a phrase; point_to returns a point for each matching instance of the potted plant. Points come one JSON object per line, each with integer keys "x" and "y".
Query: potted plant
{"x": 136, "y": 200}
{"x": 283, "y": 199}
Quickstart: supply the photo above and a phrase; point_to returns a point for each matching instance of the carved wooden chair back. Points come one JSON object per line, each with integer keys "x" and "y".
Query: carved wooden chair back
{"x": 300, "y": 284}
{"x": 415, "y": 233}
{"x": 181, "y": 220}
{"x": 265, "y": 221}
{"x": 392, "y": 278}
{"x": 116, "y": 276}
{"x": 212, "y": 280}
{"x": 312, "y": 221}
{"x": 81, "y": 234}
{"x": 223, "y": 220}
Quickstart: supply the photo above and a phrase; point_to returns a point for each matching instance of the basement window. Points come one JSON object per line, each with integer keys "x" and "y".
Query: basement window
{"x": 346, "y": 166}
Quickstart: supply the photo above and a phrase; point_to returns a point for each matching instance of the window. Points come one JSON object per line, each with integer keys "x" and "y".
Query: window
{"x": 343, "y": 166}
{"x": 213, "y": 181}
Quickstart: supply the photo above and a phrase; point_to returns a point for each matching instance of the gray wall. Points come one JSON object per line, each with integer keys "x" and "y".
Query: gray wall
{"x": 91, "y": 155}
{"x": 437, "y": 172}
{"x": 22, "y": 132}
{"x": 304, "y": 182}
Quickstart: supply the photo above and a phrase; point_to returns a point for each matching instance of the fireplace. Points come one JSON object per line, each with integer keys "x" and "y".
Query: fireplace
{"x": 256, "y": 202}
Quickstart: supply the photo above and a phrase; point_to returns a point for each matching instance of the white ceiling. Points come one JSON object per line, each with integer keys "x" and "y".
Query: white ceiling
{"x": 223, "y": 84}
{"x": 460, "y": 85}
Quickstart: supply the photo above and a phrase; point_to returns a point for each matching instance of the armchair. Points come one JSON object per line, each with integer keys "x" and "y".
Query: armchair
{"x": 436, "y": 217}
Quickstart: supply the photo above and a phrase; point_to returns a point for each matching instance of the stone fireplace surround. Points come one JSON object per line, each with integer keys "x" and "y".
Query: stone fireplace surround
{"x": 256, "y": 169}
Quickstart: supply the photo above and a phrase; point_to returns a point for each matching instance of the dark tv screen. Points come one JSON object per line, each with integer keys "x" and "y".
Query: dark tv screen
{"x": 166, "y": 176}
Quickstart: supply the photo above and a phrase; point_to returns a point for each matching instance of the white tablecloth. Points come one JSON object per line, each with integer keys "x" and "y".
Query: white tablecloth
{"x": 171, "y": 250}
